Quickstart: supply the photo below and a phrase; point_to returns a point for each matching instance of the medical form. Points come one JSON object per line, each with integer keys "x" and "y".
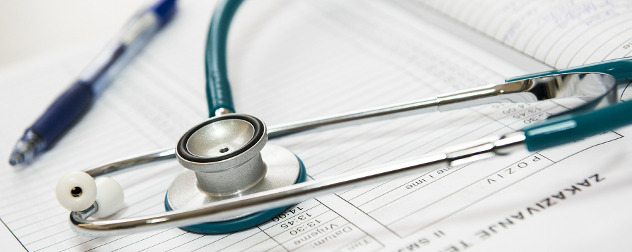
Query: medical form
{"x": 315, "y": 58}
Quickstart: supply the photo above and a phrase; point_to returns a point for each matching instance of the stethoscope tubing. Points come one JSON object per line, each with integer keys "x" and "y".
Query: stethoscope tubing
{"x": 299, "y": 192}
{"x": 220, "y": 102}
{"x": 218, "y": 92}
{"x": 474, "y": 151}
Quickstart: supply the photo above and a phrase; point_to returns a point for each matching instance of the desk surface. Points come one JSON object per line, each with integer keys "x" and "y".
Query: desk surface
{"x": 32, "y": 28}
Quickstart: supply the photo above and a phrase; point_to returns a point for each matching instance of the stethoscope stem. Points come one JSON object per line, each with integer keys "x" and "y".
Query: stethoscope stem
{"x": 133, "y": 162}
{"x": 298, "y": 192}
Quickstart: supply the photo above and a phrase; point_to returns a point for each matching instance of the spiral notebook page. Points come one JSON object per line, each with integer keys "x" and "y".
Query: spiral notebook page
{"x": 294, "y": 60}
{"x": 559, "y": 33}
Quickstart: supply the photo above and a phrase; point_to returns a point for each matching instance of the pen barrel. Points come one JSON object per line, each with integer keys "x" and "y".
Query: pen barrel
{"x": 570, "y": 128}
{"x": 63, "y": 113}
{"x": 113, "y": 58}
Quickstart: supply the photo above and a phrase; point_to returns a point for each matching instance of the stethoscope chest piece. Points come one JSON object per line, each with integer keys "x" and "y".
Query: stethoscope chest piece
{"x": 227, "y": 157}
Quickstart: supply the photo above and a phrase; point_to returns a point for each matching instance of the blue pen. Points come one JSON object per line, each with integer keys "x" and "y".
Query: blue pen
{"x": 76, "y": 100}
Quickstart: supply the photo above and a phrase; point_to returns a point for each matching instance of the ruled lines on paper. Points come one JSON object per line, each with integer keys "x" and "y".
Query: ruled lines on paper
{"x": 559, "y": 33}
{"x": 305, "y": 59}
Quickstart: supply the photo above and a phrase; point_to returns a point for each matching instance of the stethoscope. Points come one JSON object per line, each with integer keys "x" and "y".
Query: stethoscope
{"x": 235, "y": 181}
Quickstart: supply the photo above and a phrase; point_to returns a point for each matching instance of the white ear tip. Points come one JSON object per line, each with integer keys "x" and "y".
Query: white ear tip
{"x": 109, "y": 197}
{"x": 76, "y": 191}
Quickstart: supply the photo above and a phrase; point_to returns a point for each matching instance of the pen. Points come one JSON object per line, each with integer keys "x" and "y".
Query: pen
{"x": 66, "y": 110}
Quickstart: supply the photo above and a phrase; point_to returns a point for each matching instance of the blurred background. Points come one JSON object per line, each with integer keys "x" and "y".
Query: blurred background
{"x": 33, "y": 28}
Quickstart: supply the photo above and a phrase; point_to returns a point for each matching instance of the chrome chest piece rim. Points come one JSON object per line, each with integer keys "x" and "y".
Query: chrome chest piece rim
{"x": 227, "y": 157}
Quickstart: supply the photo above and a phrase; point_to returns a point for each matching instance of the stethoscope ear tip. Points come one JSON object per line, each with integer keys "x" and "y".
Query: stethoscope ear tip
{"x": 78, "y": 191}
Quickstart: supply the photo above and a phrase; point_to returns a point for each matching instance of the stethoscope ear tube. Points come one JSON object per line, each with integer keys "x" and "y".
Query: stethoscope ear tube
{"x": 296, "y": 193}
{"x": 534, "y": 137}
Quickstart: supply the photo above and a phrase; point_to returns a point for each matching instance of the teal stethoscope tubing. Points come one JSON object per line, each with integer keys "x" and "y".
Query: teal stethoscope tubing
{"x": 218, "y": 93}
{"x": 550, "y": 133}
{"x": 576, "y": 126}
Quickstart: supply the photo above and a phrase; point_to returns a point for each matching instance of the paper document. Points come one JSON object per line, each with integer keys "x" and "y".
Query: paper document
{"x": 295, "y": 60}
